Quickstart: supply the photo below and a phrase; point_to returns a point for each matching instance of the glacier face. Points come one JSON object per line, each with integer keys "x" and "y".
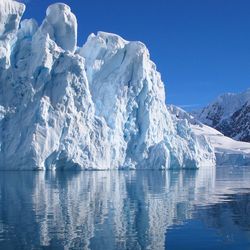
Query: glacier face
{"x": 100, "y": 106}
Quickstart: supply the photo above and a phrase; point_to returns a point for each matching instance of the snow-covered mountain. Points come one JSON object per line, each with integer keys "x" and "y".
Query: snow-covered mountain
{"x": 227, "y": 150}
{"x": 99, "y": 106}
{"x": 230, "y": 114}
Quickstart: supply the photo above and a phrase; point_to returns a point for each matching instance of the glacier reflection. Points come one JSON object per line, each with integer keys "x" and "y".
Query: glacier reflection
{"x": 103, "y": 210}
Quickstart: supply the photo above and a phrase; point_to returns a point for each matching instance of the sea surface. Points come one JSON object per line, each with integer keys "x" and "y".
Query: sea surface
{"x": 191, "y": 209}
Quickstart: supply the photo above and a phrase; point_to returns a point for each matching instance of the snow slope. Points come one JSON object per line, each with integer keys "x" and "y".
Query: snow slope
{"x": 230, "y": 114}
{"x": 227, "y": 150}
{"x": 100, "y": 106}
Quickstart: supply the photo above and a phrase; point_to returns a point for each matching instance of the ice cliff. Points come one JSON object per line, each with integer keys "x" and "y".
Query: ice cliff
{"x": 99, "y": 106}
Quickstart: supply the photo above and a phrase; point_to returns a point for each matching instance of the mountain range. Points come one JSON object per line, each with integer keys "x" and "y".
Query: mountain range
{"x": 230, "y": 114}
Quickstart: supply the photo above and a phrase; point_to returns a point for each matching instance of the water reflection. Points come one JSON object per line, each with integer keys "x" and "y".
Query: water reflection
{"x": 110, "y": 210}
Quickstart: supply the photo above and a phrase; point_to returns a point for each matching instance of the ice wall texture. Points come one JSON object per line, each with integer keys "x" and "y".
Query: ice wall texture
{"x": 101, "y": 106}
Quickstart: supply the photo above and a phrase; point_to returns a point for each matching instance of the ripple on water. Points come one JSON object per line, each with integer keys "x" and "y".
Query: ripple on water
{"x": 125, "y": 209}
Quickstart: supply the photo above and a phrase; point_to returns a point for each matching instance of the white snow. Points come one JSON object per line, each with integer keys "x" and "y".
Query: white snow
{"x": 230, "y": 114}
{"x": 224, "y": 106}
{"x": 227, "y": 150}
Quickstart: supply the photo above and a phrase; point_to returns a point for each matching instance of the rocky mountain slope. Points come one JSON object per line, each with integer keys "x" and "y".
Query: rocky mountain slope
{"x": 230, "y": 114}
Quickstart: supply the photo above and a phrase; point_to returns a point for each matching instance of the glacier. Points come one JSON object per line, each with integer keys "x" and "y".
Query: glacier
{"x": 228, "y": 152}
{"x": 99, "y": 106}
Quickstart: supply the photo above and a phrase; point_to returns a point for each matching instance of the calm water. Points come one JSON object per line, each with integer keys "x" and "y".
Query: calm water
{"x": 204, "y": 209}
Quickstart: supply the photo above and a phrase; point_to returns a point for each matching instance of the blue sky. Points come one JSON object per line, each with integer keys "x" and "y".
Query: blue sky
{"x": 201, "y": 47}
